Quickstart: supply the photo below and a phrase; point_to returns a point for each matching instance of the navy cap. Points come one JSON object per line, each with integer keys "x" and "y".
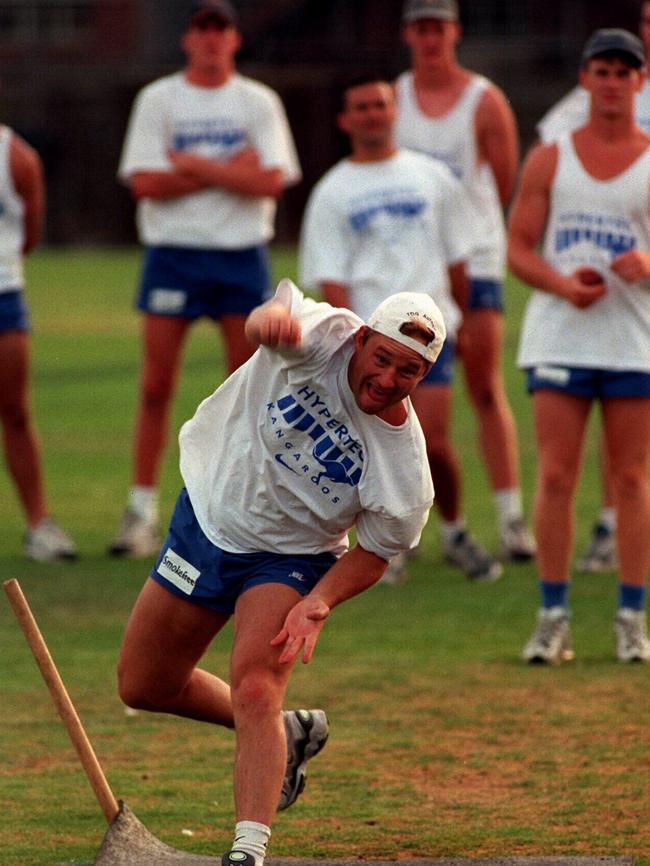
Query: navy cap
{"x": 219, "y": 10}
{"x": 615, "y": 41}
{"x": 415, "y": 10}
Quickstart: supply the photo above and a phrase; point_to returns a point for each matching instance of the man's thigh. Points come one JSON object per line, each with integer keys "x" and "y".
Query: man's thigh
{"x": 167, "y": 635}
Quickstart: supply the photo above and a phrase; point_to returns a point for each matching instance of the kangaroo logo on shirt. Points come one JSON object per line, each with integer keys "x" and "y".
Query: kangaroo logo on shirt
{"x": 608, "y": 233}
{"x": 326, "y": 452}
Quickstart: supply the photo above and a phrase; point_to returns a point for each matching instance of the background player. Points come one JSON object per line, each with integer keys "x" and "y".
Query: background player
{"x": 461, "y": 118}
{"x": 22, "y": 200}
{"x": 206, "y": 154}
{"x": 382, "y": 221}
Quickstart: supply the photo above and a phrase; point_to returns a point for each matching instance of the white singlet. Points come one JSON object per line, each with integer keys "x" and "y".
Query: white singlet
{"x": 217, "y": 123}
{"x": 382, "y": 227}
{"x": 590, "y": 222}
{"x": 572, "y": 112}
{"x": 12, "y": 226}
{"x": 281, "y": 459}
{"x": 452, "y": 138}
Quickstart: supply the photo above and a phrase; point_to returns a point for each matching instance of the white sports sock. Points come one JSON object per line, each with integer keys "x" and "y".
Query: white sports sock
{"x": 450, "y": 528}
{"x": 508, "y": 505}
{"x": 252, "y": 838}
{"x": 143, "y": 501}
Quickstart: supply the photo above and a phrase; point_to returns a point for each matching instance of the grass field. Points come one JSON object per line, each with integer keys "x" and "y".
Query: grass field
{"x": 443, "y": 743}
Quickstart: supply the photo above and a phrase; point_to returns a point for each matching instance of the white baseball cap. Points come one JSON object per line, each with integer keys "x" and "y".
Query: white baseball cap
{"x": 397, "y": 311}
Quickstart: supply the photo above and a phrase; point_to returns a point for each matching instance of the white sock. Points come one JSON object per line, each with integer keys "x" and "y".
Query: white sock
{"x": 508, "y": 505}
{"x": 143, "y": 501}
{"x": 607, "y": 517}
{"x": 450, "y": 528}
{"x": 252, "y": 838}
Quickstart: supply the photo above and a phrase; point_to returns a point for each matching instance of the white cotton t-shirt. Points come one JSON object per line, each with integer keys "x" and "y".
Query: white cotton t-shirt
{"x": 216, "y": 123}
{"x": 451, "y": 138}
{"x": 12, "y": 227}
{"x": 572, "y": 112}
{"x": 590, "y": 222}
{"x": 281, "y": 459}
{"x": 382, "y": 227}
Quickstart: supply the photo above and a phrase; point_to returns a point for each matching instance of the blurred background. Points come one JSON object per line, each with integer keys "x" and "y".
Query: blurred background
{"x": 69, "y": 70}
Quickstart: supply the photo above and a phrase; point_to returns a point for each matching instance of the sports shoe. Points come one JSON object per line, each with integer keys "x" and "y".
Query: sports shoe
{"x": 47, "y": 542}
{"x": 551, "y": 641}
{"x": 632, "y": 644}
{"x": 600, "y": 554}
{"x": 396, "y": 571}
{"x": 517, "y": 542}
{"x": 471, "y": 558}
{"x": 237, "y": 858}
{"x": 136, "y": 537}
{"x": 307, "y": 732}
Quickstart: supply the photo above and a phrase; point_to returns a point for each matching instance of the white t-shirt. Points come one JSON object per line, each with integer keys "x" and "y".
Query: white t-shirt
{"x": 383, "y": 227}
{"x": 591, "y": 222}
{"x": 572, "y": 112}
{"x": 217, "y": 123}
{"x": 281, "y": 459}
{"x": 452, "y": 139}
{"x": 12, "y": 226}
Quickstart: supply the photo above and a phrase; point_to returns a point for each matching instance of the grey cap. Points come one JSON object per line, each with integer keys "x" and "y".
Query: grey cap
{"x": 617, "y": 41}
{"x": 445, "y": 10}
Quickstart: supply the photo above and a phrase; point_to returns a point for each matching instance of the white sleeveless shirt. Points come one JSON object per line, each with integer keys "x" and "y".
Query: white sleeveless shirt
{"x": 452, "y": 139}
{"x": 12, "y": 227}
{"x": 590, "y": 223}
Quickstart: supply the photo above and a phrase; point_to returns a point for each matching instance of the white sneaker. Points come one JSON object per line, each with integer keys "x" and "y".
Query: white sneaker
{"x": 136, "y": 537}
{"x": 47, "y": 542}
{"x": 632, "y": 644}
{"x": 396, "y": 571}
{"x": 600, "y": 554}
{"x": 466, "y": 553}
{"x": 551, "y": 641}
{"x": 517, "y": 542}
{"x": 307, "y": 732}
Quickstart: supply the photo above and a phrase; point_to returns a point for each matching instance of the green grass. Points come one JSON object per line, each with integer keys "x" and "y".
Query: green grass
{"x": 443, "y": 743}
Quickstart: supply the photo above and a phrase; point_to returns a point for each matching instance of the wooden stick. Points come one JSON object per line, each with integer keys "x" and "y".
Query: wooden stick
{"x": 62, "y": 701}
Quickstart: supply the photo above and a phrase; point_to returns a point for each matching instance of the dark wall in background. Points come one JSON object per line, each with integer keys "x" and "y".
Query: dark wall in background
{"x": 69, "y": 70}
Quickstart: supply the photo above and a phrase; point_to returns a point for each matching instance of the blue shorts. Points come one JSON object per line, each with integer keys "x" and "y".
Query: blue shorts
{"x": 442, "y": 372}
{"x": 190, "y": 566}
{"x": 485, "y": 294}
{"x": 13, "y": 312}
{"x": 594, "y": 384}
{"x": 190, "y": 283}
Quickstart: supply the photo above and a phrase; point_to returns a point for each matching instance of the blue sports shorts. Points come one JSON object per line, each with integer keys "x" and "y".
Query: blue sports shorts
{"x": 486, "y": 294}
{"x": 442, "y": 372}
{"x": 13, "y": 312}
{"x": 190, "y": 283}
{"x": 190, "y": 566}
{"x": 594, "y": 384}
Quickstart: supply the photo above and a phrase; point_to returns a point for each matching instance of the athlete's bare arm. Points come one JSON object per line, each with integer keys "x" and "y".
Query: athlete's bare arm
{"x": 355, "y": 571}
{"x": 241, "y": 174}
{"x": 496, "y": 132}
{"x": 336, "y": 294}
{"x": 525, "y": 229}
{"x": 27, "y": 175}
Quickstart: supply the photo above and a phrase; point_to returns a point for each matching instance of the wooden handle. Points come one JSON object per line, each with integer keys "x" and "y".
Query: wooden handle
{"x": 61, "y": 699}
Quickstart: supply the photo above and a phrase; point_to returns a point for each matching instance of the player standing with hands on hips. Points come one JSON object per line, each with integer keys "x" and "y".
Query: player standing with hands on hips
{"x": 586, "y": 333}
{"x": 314, "y": 434}
{"x": 461, "y": 118}
{"x": 206, "y": 155}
